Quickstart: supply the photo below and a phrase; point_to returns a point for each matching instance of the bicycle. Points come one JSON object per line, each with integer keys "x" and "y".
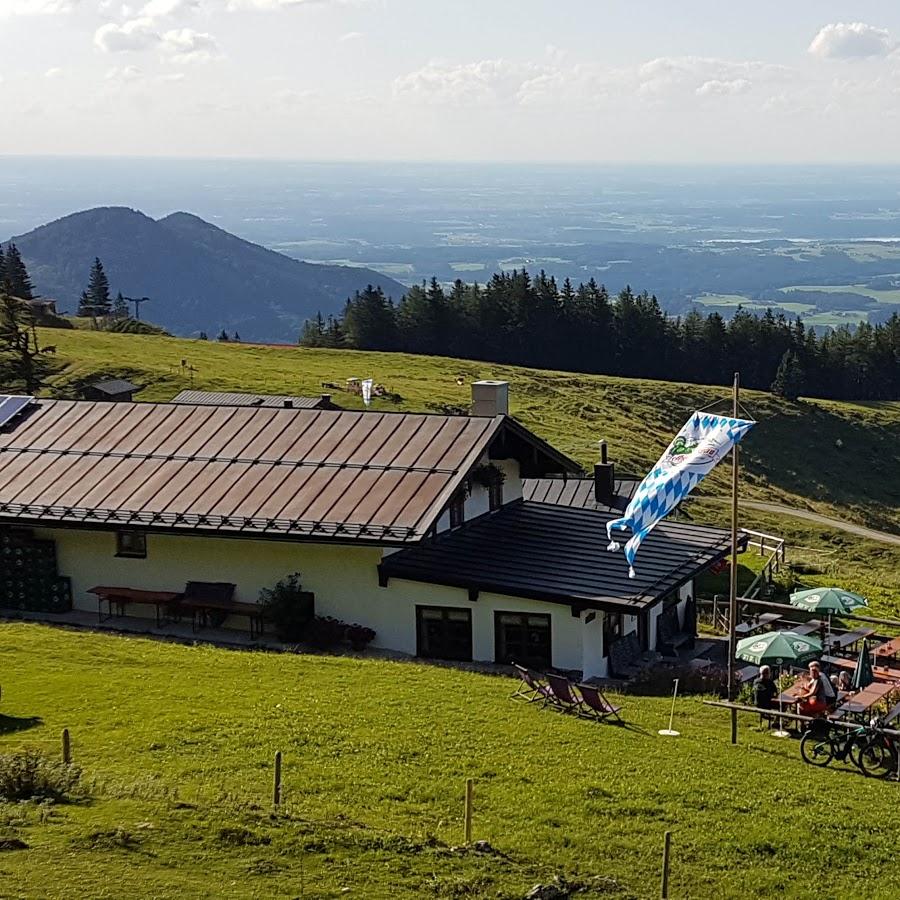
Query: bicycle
{"x": 823, "y": 743}
{"x": 878, "y": 756}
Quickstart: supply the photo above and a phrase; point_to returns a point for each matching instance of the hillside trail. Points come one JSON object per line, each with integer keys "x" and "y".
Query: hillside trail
{"x": 884, "y": 537}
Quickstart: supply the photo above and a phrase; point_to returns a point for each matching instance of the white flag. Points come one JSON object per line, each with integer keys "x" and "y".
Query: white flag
{"x": 367, "y": 391}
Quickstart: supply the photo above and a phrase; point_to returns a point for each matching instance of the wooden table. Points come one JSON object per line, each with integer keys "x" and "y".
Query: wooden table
{"x": 838, "y": 642}
{"x": 201, "y": 608}
{"x": 880, "y": 673}
{"x": 889, "y": 648}
{"x": 120, "y": 597}
{"x": 862, "y": 701}
{"x": 760, "y": 622}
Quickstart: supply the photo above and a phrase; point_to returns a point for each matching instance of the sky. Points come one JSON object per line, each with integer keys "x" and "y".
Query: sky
{"x": 607, "y": 81}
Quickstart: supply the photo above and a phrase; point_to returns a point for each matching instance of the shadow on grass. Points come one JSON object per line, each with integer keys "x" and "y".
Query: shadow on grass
{"x": 12, "y": 724}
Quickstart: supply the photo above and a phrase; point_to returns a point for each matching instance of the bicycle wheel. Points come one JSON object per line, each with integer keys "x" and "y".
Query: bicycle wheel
{"x": 877, "y": 759}
{"x": 816, "y": 749}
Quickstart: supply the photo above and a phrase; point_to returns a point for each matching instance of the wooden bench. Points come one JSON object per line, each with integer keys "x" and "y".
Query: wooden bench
{"x": 117, "y": 598}
{"x": 626, "y": 658}
{"x": 210, "y": 603}
{"x": 669, "y": 636}
{"x": 880, "y": 673}
{"x": 840, "y": 642}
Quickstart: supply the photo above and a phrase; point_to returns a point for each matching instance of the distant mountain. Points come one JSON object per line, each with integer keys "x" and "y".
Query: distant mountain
{"x": 197, "y": 276}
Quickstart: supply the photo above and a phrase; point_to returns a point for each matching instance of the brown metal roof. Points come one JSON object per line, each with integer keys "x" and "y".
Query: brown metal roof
{"x": 228, "y": 398}
{"x": 558, "y": 554}
{"x": 319, "y": 474}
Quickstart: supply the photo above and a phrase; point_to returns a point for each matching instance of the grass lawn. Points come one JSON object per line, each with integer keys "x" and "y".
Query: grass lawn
{"x": 177, "y": 745}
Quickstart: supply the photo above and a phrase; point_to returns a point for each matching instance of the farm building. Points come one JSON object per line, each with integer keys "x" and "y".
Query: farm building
{"x": 117, "y": 390}
{"x": 412, "y": 524}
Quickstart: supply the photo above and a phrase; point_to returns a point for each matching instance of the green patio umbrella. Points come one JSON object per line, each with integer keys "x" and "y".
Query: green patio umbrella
{"x": 779, "y": 648}
{"x": 863, "y": 675}
{"x": 829, "y": 600}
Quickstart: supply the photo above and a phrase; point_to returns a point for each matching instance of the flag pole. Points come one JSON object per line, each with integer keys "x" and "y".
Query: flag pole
{"x": 732, "y": 596}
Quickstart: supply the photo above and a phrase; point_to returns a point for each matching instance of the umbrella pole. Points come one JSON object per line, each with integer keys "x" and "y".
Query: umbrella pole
{"x": 780, "y": 732}
{"x": 732, "y": 595}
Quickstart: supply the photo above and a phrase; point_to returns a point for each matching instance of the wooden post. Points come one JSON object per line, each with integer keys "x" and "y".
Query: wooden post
{"x": 732, "y": 596}
{"x": 664, "y": 892}
{"x": 276, "y": 789}
{"x": 66, "y": 747}
{"x": 470, "y": 786}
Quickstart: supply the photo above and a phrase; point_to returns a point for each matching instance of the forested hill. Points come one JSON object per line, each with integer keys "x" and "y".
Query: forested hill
{"x": 535, "y": 322}
{"x": 197, "y": 276}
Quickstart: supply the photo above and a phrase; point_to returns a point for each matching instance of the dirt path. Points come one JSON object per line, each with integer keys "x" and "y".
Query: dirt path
{"x": 883, "y": 537}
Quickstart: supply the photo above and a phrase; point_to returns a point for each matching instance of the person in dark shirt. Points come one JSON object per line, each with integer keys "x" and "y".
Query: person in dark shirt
{"x": 764, "y": 689}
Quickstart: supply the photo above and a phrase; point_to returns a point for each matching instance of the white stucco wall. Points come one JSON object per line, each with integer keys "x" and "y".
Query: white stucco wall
{"x": 343, "y": 578}
{"x": 478, "y": 502}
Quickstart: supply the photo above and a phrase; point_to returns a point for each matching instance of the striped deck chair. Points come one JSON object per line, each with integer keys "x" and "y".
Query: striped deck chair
{"x": 530, "y": 687}
{"x": 598, "y": 707}
{"x": 564, "y": 697}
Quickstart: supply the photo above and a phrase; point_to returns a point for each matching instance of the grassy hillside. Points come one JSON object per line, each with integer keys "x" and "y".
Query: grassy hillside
{"x": 177, "y": 745}
{"x": 829, "y": 456}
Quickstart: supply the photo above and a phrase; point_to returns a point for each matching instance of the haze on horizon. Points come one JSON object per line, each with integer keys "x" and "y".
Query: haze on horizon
{"x": 517, "y": 80}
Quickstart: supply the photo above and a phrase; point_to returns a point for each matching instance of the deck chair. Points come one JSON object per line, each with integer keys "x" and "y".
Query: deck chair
{"x": 597, "y": 706}
{"x": 530, "y": 687}
{"x": 563, "y": 695}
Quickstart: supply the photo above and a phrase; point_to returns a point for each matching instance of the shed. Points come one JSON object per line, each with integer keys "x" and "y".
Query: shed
{"x": 117, "y": 390}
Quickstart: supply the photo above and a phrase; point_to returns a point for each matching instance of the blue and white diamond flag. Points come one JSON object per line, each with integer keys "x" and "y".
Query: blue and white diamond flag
{"x": 702, "y": 443}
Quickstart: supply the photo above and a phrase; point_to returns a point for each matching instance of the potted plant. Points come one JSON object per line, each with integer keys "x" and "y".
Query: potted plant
{"x": 359, "y": 636}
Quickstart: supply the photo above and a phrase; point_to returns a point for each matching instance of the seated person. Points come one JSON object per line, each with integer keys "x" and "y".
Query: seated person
{"x": 844, "y": 682}
{"x": 764, "y": 689}
{"x": 819, "y": 694}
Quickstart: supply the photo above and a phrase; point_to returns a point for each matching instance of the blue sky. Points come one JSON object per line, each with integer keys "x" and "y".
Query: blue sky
{"x": 549, "y": 80}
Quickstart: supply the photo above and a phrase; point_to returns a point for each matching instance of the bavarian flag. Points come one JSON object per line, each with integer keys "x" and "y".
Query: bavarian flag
{"x": 702, "y": 443}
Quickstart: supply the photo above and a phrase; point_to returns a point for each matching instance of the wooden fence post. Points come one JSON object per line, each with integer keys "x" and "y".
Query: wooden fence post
{"x": 276, "y": 788}
{"x": 665, "y": 871}
{"x": 66, "y": 747}
{"x": 470, "y": 787}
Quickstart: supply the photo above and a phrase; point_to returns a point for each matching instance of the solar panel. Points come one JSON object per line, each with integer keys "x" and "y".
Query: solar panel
{"x": 10, "y": 407}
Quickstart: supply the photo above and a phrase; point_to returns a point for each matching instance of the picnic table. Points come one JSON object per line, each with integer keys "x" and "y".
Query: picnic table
{"x": 862, "y": 701}
{"x": 117, "y": 598}
{"x": 756, "y": 624}
{"x": 810, "y": 627}
{"x": 890, "y": 648}
{"x": 202, "y": 609}
{"x": 837, "y": 643}
{"x": 881, "y": 673}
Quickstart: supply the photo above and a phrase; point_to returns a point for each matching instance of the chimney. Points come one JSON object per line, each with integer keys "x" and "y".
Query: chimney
{"x": 490, "y": 398}
{"x": 326, "y": 399}
{"x": 288, "y": 404}
{"x": 604, "y": 478}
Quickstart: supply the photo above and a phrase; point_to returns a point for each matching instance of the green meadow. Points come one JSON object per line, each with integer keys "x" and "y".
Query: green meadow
{"x": 177, "y": 744}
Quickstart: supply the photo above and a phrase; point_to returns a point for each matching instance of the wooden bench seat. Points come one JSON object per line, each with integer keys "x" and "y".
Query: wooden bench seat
{"x": 118, "y": 598}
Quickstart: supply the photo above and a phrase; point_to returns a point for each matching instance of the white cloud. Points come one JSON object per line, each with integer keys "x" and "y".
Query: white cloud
{"x": 53, "y": 72}
{"x": 486, "y": 82}
{"x": 36, "y": 7}
{"x": 160, "y": 9}
{"x": 718, "y": 88}
{"x": 124, "y": 75}
{"x": 851, "y": 40}
{"x": 289, "y": 4}
{"x": 185, "y": 45}
{"x": 351, "y": 36}
{"x": 138, "y": 34}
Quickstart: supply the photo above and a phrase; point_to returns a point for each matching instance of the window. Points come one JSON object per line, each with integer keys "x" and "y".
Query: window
{"x": 522, "y": 638}
{"x": 612, "y": 630}
{"x": 495, "y": 496}
{"x": 458, "y": 510}
{"x": 131, "y": 544}
{"x": 443, "y": 632}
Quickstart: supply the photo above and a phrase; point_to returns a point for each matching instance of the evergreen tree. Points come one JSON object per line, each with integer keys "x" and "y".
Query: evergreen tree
{"x": 23, "y": 362}
{"x": 120, "y": 307}
{"x": 98, "y": 290}
{"x": 789, "y": 380}
{"x": 223, "y": 336}
{"x": 84, "y": 305}
{"x": 237, "y": 337}
{"x": 15, "y": 276}
{"x": 203, "y": 336}
{"x": 2, "y": 266}
{"x": 313, "y": 332}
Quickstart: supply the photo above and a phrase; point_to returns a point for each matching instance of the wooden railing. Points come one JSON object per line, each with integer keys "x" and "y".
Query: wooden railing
{"x": 715, "y": 612}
